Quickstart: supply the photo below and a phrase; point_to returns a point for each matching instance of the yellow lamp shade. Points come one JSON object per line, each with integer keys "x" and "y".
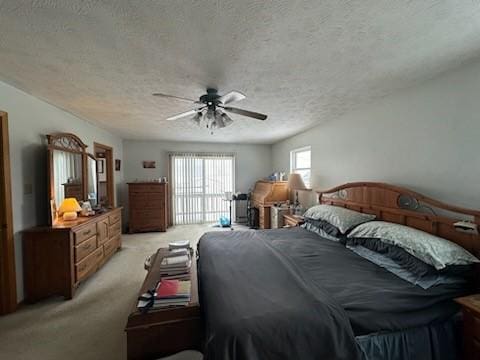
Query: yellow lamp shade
{"x": 69, "y": 209}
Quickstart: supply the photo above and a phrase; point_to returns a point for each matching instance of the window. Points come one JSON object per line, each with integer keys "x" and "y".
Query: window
{"x": 199, "y": 183}
{"x": 300, "y": 163}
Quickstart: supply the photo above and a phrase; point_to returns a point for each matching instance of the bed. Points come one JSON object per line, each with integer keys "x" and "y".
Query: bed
{"x": 291, "y": 294}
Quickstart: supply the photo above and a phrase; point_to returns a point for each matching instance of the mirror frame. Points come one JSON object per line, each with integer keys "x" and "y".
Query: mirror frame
{"x": 70, "y": 143}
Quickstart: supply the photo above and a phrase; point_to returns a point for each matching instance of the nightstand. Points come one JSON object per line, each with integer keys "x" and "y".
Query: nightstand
{"x": 292, "y": 220}
{"x": 471, "y": 326}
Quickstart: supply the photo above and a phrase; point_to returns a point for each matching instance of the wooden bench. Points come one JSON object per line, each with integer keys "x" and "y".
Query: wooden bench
{"x": 162, "y": 332}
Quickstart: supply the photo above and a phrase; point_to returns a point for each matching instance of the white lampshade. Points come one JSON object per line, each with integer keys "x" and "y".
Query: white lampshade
{"x": 295, "y": 182}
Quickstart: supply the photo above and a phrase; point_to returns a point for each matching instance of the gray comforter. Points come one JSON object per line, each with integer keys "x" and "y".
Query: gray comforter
{"x": 258, "y": 306}
{"x": 289, "y": 294}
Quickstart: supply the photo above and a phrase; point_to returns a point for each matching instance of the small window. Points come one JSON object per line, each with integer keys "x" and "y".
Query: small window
{"x": 300, "y": 163}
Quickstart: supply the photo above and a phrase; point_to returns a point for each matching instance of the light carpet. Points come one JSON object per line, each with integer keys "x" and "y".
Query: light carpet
{"x": 91, "y": 325}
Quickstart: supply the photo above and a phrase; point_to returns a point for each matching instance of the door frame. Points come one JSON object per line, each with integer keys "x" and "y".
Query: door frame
{"x": 110, "y": 170}
{"x": 8, "y": 280}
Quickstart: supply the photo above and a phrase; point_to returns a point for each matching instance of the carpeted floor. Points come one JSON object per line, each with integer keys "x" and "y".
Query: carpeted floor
{"x": 91, "y": 325}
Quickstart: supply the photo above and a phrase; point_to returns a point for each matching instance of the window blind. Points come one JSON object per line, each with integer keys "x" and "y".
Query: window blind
{"x": 199, "y": 182}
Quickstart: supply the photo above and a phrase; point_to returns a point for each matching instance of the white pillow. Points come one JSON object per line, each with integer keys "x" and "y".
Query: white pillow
{"x": 343, "y": 219}
{"x": 431, "y": 249}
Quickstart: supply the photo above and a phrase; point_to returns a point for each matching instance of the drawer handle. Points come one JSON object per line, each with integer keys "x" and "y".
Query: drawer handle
{"x": 87, "y": 246}
{"x": 85, "y": 233}
{"x": 82, "y": 267}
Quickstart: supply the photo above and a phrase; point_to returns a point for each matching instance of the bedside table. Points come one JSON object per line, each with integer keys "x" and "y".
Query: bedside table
{"x": 292, "y": 220}
{"x": 471, "y": 326}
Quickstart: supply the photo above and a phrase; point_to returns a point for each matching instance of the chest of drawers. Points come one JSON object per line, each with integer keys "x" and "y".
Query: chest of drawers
{"x": 57, "y": 258}
{"x": 147, "y": 207}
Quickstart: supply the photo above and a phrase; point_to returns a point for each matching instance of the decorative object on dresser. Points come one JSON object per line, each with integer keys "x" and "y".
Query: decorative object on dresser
{"x": 57, "y": 258}
{"x": 471, "y": 326}
{"x": 164, "y": 331}
{"x": 295, "y": 183}
{"x": 264, "y": 195}
{"x": 148, "y": 204}
{"x": 291, "y": 220}
{"x": 69, "y": 209}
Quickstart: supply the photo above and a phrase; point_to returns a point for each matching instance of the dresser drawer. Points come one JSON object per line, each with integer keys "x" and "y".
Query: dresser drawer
{"x": 147, "y": 204}
{"x": 142, "y": 197}
{"x": 89, "y": 264}
{"x": 115, "y": 217}
{"x": 85, "y": 233}
{"x": 85, "y": 248}
{"x": 111, "y": 245}
{"x": 115, "y": 230}
{"x": 146, "y": 224}
{"x": 155, "y": 214}
{"x": 147, "y": 188}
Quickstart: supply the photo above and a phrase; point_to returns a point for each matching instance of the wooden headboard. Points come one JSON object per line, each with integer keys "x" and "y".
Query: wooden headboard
{"x": 399, "y": 205}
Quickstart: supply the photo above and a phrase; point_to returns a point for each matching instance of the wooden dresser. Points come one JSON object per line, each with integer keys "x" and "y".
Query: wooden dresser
{"x": 147, "y": 206}
{"x": 264, "y": 195}
{"x": 57, "y": 258}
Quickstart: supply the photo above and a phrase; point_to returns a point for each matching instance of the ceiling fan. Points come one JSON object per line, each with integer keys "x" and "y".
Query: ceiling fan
{"x": 211, "y": 109}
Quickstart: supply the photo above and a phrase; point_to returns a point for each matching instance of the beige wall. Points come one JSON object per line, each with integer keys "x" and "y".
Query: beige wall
{"x": 252, "y": 162}
{"x": 425, "y": 138}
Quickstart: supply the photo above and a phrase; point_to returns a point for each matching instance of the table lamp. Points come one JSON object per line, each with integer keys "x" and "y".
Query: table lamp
{"x": 295, "y": 182}
{"x": 69, "y": 209}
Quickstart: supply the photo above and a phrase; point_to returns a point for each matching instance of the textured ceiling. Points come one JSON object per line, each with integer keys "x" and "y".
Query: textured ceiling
{"x": 300, "y": 62}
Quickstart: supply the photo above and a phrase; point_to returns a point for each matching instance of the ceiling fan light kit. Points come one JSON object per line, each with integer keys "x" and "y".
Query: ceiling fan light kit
{"x": 211, "y": 110}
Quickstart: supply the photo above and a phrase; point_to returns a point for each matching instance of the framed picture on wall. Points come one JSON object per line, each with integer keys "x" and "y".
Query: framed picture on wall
{"x": 149, "y": 164}
{"x": 118, "y": 163}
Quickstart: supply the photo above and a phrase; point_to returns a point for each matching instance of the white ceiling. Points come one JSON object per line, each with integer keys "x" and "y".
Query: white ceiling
{"x": 300, "y": 62}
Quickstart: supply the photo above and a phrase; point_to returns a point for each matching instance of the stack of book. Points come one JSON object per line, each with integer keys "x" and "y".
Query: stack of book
{"x": 172, "y": 293}
{"x": 173, "y": 289}
{"x": 168, "y": 293}
{"x": 176, "y": 265}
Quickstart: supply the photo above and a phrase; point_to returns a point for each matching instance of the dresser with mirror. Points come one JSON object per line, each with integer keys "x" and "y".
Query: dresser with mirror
{"x": 81, "y": 235}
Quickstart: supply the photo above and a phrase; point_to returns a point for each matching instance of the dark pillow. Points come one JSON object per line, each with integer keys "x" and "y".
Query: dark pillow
{"x": 408, "y": 261}
{"x": 324, "y": 225}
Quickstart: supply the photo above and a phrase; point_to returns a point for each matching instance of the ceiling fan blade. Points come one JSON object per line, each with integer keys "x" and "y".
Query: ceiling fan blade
{"x": 251, "y": 114}
{"x": 231, "y": 97}
{"x": 182, "y": 115}
{"x": 174, "y": 97}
